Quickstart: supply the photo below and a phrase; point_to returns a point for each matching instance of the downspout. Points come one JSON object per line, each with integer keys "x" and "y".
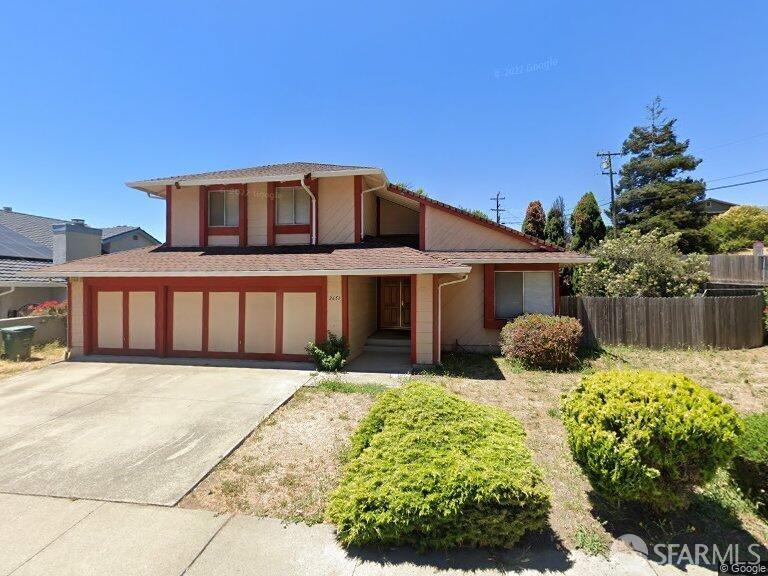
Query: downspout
{"x": 362, "y": 205}
{"x": 440, "y": 309}
{"x": 316, "y": 216}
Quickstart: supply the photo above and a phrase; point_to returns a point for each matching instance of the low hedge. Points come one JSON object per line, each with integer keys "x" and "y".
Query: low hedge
{"x": 432, "y": 470}
{"x": 750, "y": 465}
{"x": 331, "y": 355}
{"x": 648, "y": 436}
{"x": 542, "y": 341}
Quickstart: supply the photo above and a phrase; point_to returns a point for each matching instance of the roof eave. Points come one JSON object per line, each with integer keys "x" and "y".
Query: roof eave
{"x": 513, "y": 260}
{"x": 156, "y": 186}
{"x": 255, "y": 273}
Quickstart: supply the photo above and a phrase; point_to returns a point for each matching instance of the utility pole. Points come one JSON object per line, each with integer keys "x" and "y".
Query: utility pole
{"x": 498, "y": 208}
{"x": 607, "y": 166}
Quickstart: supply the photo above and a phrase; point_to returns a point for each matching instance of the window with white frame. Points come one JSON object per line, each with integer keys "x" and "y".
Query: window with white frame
{"x": 517, "y": 293}
{"x": 292, "y": 205}
{"x": 223, "y": 208}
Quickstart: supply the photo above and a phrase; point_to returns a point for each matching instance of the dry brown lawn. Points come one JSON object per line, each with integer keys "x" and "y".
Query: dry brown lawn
{"x": 288, "y": 466}
{"x": 41, "y": 356}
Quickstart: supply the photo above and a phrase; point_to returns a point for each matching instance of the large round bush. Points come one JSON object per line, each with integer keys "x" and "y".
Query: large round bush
{"x": 541, "y": 341}
{"x": 750, "y": 465}
{"x": 433, "y": 470}
{"x": 648, "y": 436}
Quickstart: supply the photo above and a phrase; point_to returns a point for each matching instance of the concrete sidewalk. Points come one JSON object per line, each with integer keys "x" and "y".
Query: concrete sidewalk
{"x": 44, "y": 536}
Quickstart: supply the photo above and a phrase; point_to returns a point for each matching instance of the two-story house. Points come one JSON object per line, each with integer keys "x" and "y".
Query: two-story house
{"x": 259, "y": 261}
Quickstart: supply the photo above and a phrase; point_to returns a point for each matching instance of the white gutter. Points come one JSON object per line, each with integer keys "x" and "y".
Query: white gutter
{"x": 513, "y": 260}
{"x": 440, "y": 312}
{"x": 262, "y": 273}
{"x": 314, "y": 214}
{"x": 362, "y": 205}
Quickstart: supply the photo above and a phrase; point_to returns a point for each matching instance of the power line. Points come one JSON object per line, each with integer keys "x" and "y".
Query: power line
{"x": 737, "y": 175}
{"x": 739, "y": 184}
{"x": 734, "y": 142}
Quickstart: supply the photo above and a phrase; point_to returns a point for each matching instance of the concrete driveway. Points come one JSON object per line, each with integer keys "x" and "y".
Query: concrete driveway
{"x": 129, "y": 432}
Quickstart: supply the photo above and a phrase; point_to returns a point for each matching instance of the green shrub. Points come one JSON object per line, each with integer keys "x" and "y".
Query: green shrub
{"x": 750, "y": 465}
{"x": 430, "y": 469}
{"x": 648, "y": 436}
{"x": 331, "y": 355}
{"x": 541, "y": 341}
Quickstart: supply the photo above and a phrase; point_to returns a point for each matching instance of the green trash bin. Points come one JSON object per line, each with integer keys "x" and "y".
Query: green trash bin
{"x": 17, "y": 341}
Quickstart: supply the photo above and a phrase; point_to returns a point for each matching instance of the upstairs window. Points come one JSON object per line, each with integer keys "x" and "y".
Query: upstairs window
{"x": 517, "y": 293}
{"x": 223, "y": 208}
{"x": 292, "y": 205}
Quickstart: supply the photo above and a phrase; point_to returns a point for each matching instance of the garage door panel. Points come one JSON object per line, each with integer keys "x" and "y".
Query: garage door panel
{"x": 260, "y": 322}
{"x": 110, "y": 319}
{"x": 141, "y": 320}
{"x": 299, "y": 315}
{"x": 188, "y": 321}
{"x": 223, "y": 317}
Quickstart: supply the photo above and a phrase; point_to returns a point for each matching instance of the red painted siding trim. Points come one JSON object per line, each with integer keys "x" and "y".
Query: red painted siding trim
{"x": 241, "y": 322}
{"x": 413, "y": 317}
{"x": 168, "y": 213}
{"x": 358, "y": 198}
{"x": 279, "y": 322}
{"x": 345, "y": 308}
{"x": 87, "y": 314}
{"x": 293, "y": 229}
{"x": 69, "y": 315}
{"x": 224, "y": 231}
{"x": 206, "y": 319}
{"x": 126, "y": 323}
{"x": 489, "y": 287}
{"x": 422, "y": 226}
{"x": 435, "y": 324}
{"x": 161, "y": 319}
{"x": 321, "y": 312}
{"x": 314, "y": 186}
{"x": 270, "y": 213}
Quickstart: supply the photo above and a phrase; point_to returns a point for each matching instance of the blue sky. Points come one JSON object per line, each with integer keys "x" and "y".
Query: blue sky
{"x": 461, "y": 98}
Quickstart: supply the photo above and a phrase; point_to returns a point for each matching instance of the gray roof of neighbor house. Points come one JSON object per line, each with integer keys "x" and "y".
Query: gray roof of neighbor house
{"x": 12, "y": 272}
{"x": 288, "y": 170}
{"x": 39, "y": 228}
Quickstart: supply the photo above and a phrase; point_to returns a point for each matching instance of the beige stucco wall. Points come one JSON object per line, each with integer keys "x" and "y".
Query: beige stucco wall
{"x": 188, "y": 321}
{"x": 76, "y": 317}
{"x": 362, "y": 312}
{"x": 369, "y": 214}
{"x": 424, "y": 313}
{"x": 291, "y": 239}
{"x": 223, "y": 317}
{"x": 141, "y": 320}
{"x": 260, "y": 322}
{"x": 185, "y": 216}
{"x": 336, "y": 210}
{"x": 110, "y": 324}
{"x": 335, "y": 313}
{"x": 449, "y": 232}
{"x": 298, "y": 321}
{"x": 463, "y": 315}
{"x": 223, "y": 240}
{"x": 257, "y": 214}
{"x": 396, "y": 219}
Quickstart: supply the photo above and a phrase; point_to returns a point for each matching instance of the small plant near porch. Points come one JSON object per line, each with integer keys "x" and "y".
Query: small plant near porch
{"x": 331, "y": 355}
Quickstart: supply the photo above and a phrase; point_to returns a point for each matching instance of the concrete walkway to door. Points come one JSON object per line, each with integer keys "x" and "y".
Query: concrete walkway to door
{"x": 126, "y": 431}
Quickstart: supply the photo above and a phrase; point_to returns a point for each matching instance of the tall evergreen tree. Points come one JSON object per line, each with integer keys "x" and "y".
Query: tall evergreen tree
{"x": 652, "y": 192}
{"x": 554, "y": 230}
{"x": 587, "y": 226}
{"x": 535, "y": 220}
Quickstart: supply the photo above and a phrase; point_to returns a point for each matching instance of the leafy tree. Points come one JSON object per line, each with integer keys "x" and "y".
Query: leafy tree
{"x": 635, "y": 264}
{"x": 652, "y": 191}
{"x": 535, "y": 220}
{"x": 587, "y": 226}
{"x": 738, "y": 228}
{"x": 408, "y": 186}
{"x": 480, "y": 214}
{"x": 554, "y": 230}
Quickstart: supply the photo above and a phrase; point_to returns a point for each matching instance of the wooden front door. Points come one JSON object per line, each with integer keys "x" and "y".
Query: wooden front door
{"x": 395, "y": 303}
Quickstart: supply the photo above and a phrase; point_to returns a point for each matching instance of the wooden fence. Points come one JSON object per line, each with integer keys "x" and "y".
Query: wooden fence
{"x": 721, "y": 322}
{"x": 738, "y": 269}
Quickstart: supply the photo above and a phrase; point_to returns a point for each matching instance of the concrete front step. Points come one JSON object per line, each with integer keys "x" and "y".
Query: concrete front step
{"x": 398, "y": 349}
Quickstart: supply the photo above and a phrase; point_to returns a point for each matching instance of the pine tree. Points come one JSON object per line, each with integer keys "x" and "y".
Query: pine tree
{"x": 587, "y": 226}
{"x": 535, "y": 220}
{"x": 652, "y": 193}
{"x": 554, "y": 230}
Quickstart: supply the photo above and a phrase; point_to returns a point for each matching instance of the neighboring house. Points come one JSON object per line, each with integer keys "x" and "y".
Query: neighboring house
{"x": 28, "y": 241}
{"x": 713, "y": 207}
{"x": 260, "y": 261}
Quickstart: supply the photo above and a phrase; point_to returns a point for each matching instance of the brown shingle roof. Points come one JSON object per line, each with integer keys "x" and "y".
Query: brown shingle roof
{"x": 513, "y": 257}
{"x": 256, "y": 261}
